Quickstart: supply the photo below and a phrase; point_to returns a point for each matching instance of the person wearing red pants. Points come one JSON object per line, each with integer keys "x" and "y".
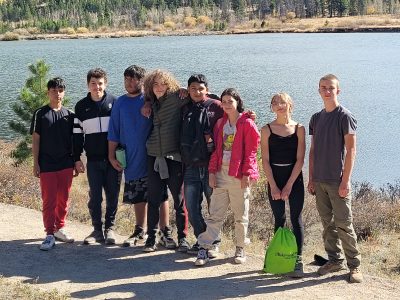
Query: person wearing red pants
{"x": 51, "y": 130}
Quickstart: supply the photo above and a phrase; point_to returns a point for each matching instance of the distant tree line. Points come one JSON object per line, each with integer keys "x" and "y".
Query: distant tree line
{"x": 51, "y": 15}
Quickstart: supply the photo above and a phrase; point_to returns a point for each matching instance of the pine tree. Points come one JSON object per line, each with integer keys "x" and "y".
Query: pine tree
{"x": 32, "y": 96}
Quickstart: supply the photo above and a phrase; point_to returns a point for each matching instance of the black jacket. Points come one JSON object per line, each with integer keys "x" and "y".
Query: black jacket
{"x": 91, "y": 127}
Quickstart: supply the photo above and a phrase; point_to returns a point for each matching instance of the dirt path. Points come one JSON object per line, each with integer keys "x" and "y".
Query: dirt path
{"x": 101, "y": 272}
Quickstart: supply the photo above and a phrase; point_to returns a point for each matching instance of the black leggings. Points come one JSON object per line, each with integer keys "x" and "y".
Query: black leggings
{"x": 296, "y": 202}
{"x": 156, "y": 188}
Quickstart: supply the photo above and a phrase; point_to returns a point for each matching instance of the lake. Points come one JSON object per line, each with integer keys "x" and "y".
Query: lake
{"x": 258, "y": 65}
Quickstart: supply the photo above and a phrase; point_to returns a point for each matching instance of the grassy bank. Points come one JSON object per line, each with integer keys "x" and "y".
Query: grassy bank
{"x": 376, "y": 215}
{"x": 11, "y": 289}
{"x": 287, "y": 24}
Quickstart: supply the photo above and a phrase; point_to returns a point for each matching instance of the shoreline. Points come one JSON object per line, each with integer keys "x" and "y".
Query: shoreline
{"x": 134, "y": 34}
{"x": 359, "y": 24}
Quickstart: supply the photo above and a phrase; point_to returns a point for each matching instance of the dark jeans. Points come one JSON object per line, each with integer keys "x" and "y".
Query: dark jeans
{"x": 296, "y": 203}
{"x": 156, "y": 194}
{"x": 195, "y": 185}
{"x": 101, "y": 175}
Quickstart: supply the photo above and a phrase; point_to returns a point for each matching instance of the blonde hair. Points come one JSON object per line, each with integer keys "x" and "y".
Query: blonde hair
{"x": 330, "y": 77}
{"x": 166, "y": 77}
{"x": 284, "y": 97}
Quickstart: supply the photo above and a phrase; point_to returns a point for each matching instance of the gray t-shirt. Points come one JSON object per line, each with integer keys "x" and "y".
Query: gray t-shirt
{"x": 328, "y": 130}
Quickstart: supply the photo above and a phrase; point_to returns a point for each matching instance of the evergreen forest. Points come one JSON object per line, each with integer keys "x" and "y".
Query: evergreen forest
{"x": 49, "y": 16}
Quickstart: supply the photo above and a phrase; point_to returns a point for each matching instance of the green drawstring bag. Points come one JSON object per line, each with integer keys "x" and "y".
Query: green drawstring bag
{"x": 281, "y": 254}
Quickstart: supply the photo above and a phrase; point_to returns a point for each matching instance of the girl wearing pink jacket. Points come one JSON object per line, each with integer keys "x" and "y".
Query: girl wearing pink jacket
{"x": 232, "y": 167}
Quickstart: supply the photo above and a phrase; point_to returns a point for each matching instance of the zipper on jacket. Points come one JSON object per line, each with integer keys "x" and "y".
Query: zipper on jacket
{"x": 99, "y": 109}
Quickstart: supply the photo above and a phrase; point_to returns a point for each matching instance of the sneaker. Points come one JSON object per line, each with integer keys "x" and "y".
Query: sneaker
{"x": 109, "y": 236}
{"x": 330, "y": 267}
{"x": 183, "y": 245}
{"x": 355, "y": 275}
{"x": 298, "y": 269}
{"x": 240, "y": 257}
{"x": 150, "y": 245}
{"x": 63, "y": 236}
{"x": 194, "y": 249}
{"x": 137, "y": 237}
{"x": 202, "y": 257}
{"x": 48, "y": 243}
{"x": 214, "y": 252}
{"x": 166, "y": 239}
{"x": 95, "y": 237}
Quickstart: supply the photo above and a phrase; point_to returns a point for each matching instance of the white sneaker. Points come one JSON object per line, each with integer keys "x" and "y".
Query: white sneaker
{"x": 240, "y": 256}
{"x": 214, "y": 251}
{"x": 202, "y": 257}
{"x": 63, "y": 236}
{"x": 48, "y": 243}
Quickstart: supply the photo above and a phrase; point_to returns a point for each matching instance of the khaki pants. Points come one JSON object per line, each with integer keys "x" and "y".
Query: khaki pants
{"x": 337, "y": 221}
{"x": 227, "y": 192}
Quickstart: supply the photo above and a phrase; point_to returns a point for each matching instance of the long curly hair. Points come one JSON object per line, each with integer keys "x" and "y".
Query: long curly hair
{"x": 166, "y": 77}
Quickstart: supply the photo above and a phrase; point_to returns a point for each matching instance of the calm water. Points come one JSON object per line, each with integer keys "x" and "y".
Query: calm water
{"x": 368, "y": 66}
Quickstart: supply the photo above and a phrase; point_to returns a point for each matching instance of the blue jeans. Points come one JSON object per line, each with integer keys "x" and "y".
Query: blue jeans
{"x": 195, "y": 182}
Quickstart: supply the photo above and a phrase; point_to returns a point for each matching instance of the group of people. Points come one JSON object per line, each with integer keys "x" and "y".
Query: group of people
{"x": 198, "y": 146}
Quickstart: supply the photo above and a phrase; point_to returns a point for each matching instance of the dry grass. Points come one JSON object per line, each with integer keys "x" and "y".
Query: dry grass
{"x": 10, "y": 36}
{"x": 376, "y": 216}
{"x": 11, "y": 289}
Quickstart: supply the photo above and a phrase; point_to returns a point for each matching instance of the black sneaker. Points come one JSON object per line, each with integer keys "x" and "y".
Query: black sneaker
{"x": 166, "y": 239}
{"x": 183, "y": 245}
{"x": 138, "y": 237}
{"x": 194, "y": 249}
{"x": 150, "y": 245}
{"x": 95, "y": 237}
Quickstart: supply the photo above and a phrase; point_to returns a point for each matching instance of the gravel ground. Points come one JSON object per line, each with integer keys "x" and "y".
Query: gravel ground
{"x": 101, "y": 272}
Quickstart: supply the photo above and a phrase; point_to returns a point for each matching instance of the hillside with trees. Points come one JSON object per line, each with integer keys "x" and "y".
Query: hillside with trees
{"x": 52, "y": 16}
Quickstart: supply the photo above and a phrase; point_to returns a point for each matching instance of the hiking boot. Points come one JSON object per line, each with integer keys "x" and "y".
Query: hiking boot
{"x": 355, "y": 275}
{"x": 194, "y": 249}
{"x": 95, "y": 237}
{"x": 166, "y": 239}
{"x": 63, "y": 236}
{"x": 109, "y": 236}
{"x": 202, "y": 257}
{"x": 214, "y": 251}
{"x": 48, "y": 243}
{"x": 137, "y": 237}
{"x": 298, "y": 269}
{"x": 150, "y": 245}
{"x": 240, "y": 257}
{"x": 183, "y": 245}
{"x": 330, "y": 267}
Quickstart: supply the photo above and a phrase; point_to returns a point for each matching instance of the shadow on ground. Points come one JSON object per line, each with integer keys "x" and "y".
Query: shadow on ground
{"x": 97, "y": 271}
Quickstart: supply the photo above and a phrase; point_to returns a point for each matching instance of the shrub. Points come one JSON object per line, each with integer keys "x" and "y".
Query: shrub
{"x": 189, "y": 22}
{"x": 169, "y": 25}
{"x": 67, "y": 30}
{"x": 82, "y": 30}
{"x": 263, "y": 24}
{"x": 375, "y": 210}
{"x": 103, "y": 29}
{"x": 33, "y": 30}
{"x": 290, "y": 15}
{"x": 21, "y": 31}
{"x": 204, "y": 20}
{"x": 10, "y": 36}
{"x": 371, "y": 10}
{"x": 148, "y": 24}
